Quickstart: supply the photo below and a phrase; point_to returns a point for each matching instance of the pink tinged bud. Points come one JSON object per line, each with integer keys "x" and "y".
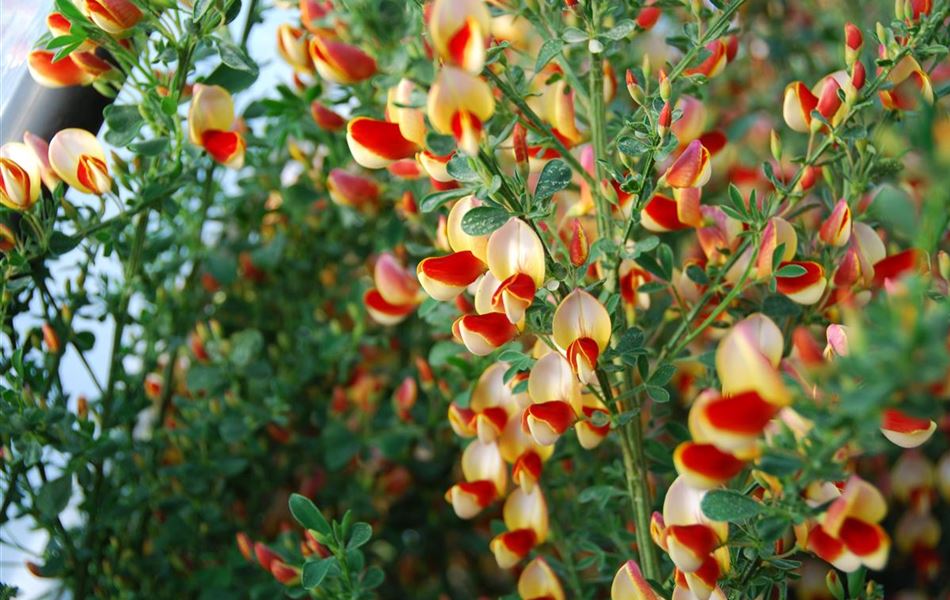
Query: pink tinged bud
{"x": 629, "y": 584}
{"x": 691, "y": 169}
{"x": 797, "y": 107}
{"x": 40, "y": 150}
{"x": 538, "y": 581}
{"x": 78, "y": 159}
{"x": 853, "y": 42}
{"x": 836, "y": 230}
{"x": 804, "y": 288}
{"x": 837, "y": 336}
{"x": 339, "y": 62}
{"x": 704, "y": 466}
{"x": 469, "y": 498}
{"x": 376, "y": 144}
{"x": 325, "y": 118}
{"x": 349, "y": 189}
{"x": 483, "y": 334}
{"x": 445, "y": 277}
{"x": 904, "y": 430}
{"x": 20, "y": 177}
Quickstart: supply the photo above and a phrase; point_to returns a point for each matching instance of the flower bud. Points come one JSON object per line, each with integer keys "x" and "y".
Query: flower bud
{"x": 853, "y": 42}
{"x": 20, "y": 177}
{"x": 578, "y": 247}
{"x": 519, "y": 138}
{"x": 775, "y": 145}
{"x": 666, "y": 88}
{"x": 829, "y": 102}
{"x": 340, "y": 63}
{"x": 51, "y": 339}
{"x": 664, "y": 121}
{"x": 634, "y": 89}
{"x": 833, "y": 581}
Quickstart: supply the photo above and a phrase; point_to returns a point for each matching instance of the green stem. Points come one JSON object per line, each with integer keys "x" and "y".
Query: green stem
{"x": 598, "y": 129}
{"x": 635, "y": 474}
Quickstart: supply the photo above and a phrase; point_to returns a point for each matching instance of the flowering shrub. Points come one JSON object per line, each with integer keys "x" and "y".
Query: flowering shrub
{"x": 688, "y": 341}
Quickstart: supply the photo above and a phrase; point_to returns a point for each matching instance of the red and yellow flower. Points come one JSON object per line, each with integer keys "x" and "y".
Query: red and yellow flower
{"x": 78, "y": 159}
{"x": 211, "y": 125}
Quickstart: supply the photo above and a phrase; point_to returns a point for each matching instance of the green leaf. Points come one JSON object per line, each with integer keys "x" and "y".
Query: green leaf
{"x": 246, "y": 345}
{"x": 440, "y": 145}
{"x": 201, "y": 7}
{"x": 308, "y": 515}
{"x": 658, "y": 393}
{"x": 555, "y": 176}
{"x": 791, "y": 271}
{"x": 630, "y": 341}
{"x": 460, "y": 168}
{"x": 729, "y": 505}
{"x": 362, "y": 532}
{"x": 437, "y": 199}
{"x": 54, "y": 495}
{"x": 124, "y": 122}
{"x": 233, "y": 80}
{"x": 621, "y": 30}
{"x": 548, "y": 51}
{"x": 374, "y": 578}
{"x": 573, "y": 35}
{"x": 152, "y": 147}
{"x": 315, "y": 571}
{"x": 483, "y": 220}
{"x": 60, "y": 243}
{"x": 235, "y": 57}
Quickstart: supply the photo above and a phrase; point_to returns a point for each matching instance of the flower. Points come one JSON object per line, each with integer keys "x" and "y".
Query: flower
{"x": 849, "y": 534}
{"x": 515, "y": 257}
{"x": 799, "y": 102}
{"x": 629, "y": 584}
{"x": 399, "y": 110}
{"x": 376, "y": 144}
{"x": 538, "y": 582}
{"x": 339, "y": 62}
{"x": 459, "y": 103}
{"x": 211, "y": 125}
{"x": 53, "y": 74}
{"x": 691, "y": 169}
{"x": 445, "y": 277}
{"x": 836, "y": 229}
{"x": 460, "y": 31}
{"x": 78, "y": 159}
{"x": 905, "y": 430}
{"x": 20, "y": 177}
{"x": 806, "y": 287}
{"x": 483, "y": 334}
{"x": 581, "y": 327}
{"x": 909, "y": 83}
{"x": 113, "y": 16}
{"x": 293, "y": 48}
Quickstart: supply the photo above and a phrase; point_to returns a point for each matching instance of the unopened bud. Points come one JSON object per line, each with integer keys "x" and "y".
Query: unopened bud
{"x": 82, "y": 408}
{"x": 285, "y": 573}
{"x": 775, "y": 144}
{"x": 578, "y": 247}
{"x": 51, "y": 339}
{"x": 634, "y": 89}
{"x": 404, "y": 398}
{"x": 853, "y": 42}
{"x": 519, "y": 138}
{"x": 943, "y": 264}
{"x": 664, "y": 121}
{"x": 425, "y": 372}
{"x": 881, "y": 31}
{"x": 833, "y": 581}
{"x": 666, "y": 89}
{"x": 645, "y": 66}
